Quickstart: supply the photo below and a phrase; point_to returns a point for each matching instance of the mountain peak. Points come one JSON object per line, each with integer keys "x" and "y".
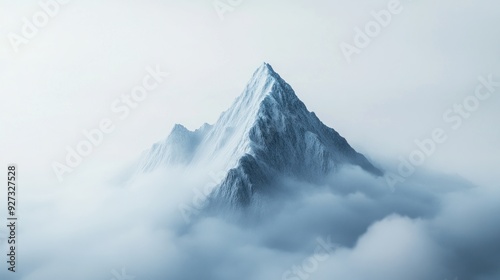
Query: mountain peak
{"x": 178, "y": 128}
{"x": 265, "y": 82}
{"x": 266, "y": 71}
{"x": 266, "y": 68}
{"x": 266, "y": 134}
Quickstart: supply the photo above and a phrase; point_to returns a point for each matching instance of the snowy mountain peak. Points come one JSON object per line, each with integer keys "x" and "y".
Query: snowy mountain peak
{"x": 266, "y": 134}
{"x": 264, "y": 81}
{"x": 264, "y": 70}
{"x": 179, "y": 128}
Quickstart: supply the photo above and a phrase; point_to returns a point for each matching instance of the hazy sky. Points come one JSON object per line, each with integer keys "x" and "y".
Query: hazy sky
{"x": 67, "y": 77}
{"x": 396, "y": 90}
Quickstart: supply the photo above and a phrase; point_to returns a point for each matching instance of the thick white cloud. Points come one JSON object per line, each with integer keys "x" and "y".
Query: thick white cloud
{"x": 429, "y": 58}
{"x": 87, "y": 232}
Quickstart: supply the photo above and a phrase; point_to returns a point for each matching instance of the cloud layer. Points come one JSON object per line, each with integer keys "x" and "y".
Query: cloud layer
{"x": 420, "y": 231}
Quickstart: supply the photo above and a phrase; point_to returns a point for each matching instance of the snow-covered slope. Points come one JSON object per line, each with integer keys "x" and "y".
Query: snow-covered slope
{"x": 177, "y": 149}
{"x": 266, "y": 134}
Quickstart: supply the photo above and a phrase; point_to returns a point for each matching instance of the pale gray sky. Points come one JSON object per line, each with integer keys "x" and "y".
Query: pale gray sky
{"x": 427, "y": 59}
{"x": 68, "y": 75}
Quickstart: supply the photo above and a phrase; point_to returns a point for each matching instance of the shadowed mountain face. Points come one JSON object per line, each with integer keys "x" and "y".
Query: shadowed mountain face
{"x": 267, "y": 134}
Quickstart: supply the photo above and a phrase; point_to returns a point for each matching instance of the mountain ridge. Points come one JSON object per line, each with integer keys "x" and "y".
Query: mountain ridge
{"x": 267, "y": 133}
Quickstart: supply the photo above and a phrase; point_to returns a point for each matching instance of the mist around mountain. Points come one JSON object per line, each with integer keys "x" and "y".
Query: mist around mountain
{"x": 287, "y": 180}
{"x": 322, "y": 210}
{"x": 266, "y": 136}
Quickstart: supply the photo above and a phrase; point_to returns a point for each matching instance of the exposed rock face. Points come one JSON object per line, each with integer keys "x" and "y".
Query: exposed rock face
{"x": 266, "y": 134}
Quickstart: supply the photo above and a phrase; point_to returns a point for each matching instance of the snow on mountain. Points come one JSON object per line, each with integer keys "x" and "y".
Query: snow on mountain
{"x": 267, "y": 133}
{"x": 177, "y": 148}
